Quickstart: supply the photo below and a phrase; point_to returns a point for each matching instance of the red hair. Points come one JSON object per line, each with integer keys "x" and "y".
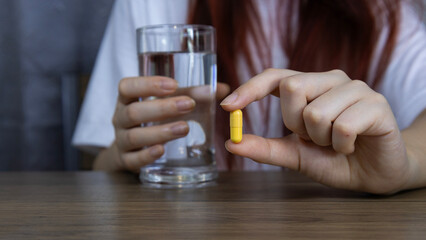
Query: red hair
{"x": 317, "y": 35}
{"x": 328, "y": 34}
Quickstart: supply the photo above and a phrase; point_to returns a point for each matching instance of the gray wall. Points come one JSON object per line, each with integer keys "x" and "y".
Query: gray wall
{"x": 45, "y": 47}
{"x": 424, "y": 11}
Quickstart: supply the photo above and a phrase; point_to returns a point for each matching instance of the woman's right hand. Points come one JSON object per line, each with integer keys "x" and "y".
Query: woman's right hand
{"x": 137, "y": 146}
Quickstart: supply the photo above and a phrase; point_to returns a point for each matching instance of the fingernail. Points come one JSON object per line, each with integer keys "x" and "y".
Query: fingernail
{"x": 184, "y": 105}
{"x": 229, "y": 99}
{"x": 168, "y": 84}
{"x": 226, "y": 146}
{"x": 156, "y": 151}
{"x": 180, "y": 129}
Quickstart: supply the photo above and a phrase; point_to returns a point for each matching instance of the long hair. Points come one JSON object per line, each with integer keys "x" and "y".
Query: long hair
{"x": 316, "y": 35}
{"x": 327, "y": 34}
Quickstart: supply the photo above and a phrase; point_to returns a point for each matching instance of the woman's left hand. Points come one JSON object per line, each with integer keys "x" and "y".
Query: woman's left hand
{"x": 344, "y": 133}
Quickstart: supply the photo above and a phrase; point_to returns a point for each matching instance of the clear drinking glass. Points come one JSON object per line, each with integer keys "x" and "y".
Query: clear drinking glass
{"x": 186, "y": 53}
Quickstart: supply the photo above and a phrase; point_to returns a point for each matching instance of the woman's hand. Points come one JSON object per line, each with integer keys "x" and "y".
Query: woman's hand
{"x": 344, "y": 133}
{"x": 136, "y": 146}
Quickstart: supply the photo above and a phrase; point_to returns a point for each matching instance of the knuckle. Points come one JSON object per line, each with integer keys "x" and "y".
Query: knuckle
{"x": 343, "y": 129}
{"x": 359, "y": 84}
{"x": 340, "y": 73}
{"x": 122, "y": 87}
{"x": 267, "y": 70}
{"x": 132, "y": 113}
{"x": 115, "y": 121}
{"x": 290, "y": 84}
{"x": 116, "y": 118}
{"x": 132, "y": 137}
{"x": 313, "y": 114}
{"x": 337, "y": 71}
{"x": 378, "y": 98}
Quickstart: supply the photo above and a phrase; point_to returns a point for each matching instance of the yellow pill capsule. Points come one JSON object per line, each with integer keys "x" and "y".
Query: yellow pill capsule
{"x": 236, "y": 124}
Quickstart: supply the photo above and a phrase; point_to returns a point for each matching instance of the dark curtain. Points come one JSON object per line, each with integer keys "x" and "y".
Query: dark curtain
{"x": 46, "y": 46}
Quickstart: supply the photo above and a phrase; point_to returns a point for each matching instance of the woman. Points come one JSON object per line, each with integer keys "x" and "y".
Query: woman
{"x": 346, "y": 132}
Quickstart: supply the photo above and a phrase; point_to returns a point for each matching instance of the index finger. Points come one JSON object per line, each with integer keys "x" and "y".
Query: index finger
{"x": 130, "y": 89}
{"x": 256, "y": 88}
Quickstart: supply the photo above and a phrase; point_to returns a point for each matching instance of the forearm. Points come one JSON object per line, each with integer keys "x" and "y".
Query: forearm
{"x": 415, "y": 142}
{"x": 107, "y": 159}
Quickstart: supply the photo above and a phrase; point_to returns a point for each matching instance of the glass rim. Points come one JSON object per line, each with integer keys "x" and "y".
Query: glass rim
{"x": 175, "y": 26}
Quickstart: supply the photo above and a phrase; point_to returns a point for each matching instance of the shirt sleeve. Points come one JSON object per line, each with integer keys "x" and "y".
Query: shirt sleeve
{"x": 404, "y": 82}
{"x": 117, "y": 58}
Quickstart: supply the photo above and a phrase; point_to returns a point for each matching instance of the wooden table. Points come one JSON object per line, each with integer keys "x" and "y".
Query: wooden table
{"x": 277, "y": 205}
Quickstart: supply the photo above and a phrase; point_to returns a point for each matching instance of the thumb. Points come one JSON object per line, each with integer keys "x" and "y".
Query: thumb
{"x": 321, "y": 164}
{"x": 256, "y": 88}
{"x": 275, "y": 151}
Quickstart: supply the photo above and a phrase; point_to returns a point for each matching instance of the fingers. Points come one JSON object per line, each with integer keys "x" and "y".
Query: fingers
{"x": 133, "y": 161}
{"x": 256, "y": 88}
{"x": 311, "y": 102}
{"x": 131, "y": 89}
{"x": 136, "y": 138}
{"x": 267, "y": 82}
{"x": 368, "y": 117}
{"x": 319, "y": 163}
{"x": 280, "y": 152}
{"x": 153, "y": 110}
{"x": 336, "y": 98}
{"x": 319, "y": 115}
{"x": 298, "y": 90}
{"x": 131, "y": 113}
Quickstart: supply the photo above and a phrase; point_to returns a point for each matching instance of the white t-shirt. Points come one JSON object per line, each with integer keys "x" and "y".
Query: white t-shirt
{"x": 404, "y": 83}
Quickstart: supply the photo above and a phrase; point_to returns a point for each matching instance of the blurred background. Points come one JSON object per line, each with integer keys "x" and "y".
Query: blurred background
{"x": 47, "y": 51}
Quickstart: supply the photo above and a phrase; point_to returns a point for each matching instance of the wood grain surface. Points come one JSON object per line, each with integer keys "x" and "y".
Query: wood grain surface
{"x": 241, "y": 205}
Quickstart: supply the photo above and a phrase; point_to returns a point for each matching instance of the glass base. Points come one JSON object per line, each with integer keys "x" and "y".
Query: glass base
{"x": 157, "y": 176}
